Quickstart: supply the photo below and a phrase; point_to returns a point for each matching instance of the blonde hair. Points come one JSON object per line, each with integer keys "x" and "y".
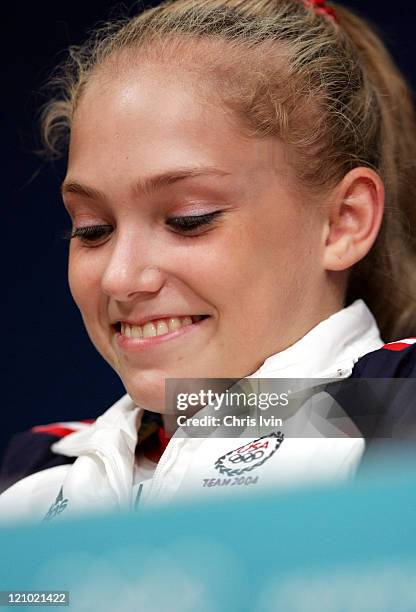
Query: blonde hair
{"x": 328, "y": 88}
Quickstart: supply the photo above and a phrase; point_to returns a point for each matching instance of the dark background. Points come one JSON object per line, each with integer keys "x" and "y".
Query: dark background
{"x": 50, "y": 370}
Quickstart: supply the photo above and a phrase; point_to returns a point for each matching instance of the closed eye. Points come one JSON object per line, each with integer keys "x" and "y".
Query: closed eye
{"x": 188, "y": 224}
{"x": 90, "y": 233}
{"x": 95, "y": 234}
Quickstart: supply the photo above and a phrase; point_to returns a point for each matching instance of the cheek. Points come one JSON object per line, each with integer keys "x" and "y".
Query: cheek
{"x": 262, "y": 247}
{"x": 282, "y": 241}
{"x": 84, "y": 279}
{"x": 262, "y": 266}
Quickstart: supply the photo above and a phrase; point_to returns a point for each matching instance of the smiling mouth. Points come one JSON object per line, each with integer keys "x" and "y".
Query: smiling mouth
{"x": 157, "y": 327}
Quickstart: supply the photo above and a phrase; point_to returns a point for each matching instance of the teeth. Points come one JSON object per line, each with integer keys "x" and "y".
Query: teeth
{"x": 136, "y": 331}
{"x": 159, "y": 327}
{"x": 174, "y": 324}
{"x": 149, "y": 330}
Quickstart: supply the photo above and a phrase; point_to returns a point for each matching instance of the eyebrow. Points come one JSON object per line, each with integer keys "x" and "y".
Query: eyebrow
{"x": 149, "y": 184}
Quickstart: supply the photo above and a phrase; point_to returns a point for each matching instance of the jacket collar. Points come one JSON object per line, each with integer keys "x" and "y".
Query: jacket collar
{"x": 329, "y": 350}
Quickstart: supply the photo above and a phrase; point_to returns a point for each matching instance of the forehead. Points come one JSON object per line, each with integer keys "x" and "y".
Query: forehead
{"x": 141, "y": 100}
{"x": 143, "y": 120}
{"x": 148, "y": 97}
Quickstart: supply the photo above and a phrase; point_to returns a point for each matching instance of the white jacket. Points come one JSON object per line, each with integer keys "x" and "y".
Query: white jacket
{"x": 105, "y": 477}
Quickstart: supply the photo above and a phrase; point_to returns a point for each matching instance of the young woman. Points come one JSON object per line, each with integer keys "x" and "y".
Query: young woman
{"x": 240, "y": 182}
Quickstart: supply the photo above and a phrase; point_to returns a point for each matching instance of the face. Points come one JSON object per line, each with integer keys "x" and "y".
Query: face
{"x": 194, "y": 255}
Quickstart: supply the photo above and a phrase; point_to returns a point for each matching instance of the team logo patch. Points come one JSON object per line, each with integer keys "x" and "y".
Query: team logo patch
{"x": 58, "y": 506}
{"x": 250, "y": 456}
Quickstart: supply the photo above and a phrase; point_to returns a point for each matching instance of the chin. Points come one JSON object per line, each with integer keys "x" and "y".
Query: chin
{"x": 147, "y": 390}
{"x": 157, "y": 391}
{"x": 152, "y": 399}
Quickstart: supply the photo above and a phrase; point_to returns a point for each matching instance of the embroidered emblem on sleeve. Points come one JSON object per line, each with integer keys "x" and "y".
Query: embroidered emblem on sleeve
{"x": 58, "y": 506}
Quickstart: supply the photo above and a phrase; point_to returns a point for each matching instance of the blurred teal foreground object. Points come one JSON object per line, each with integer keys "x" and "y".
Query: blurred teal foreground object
{"x": 335, "y": 550}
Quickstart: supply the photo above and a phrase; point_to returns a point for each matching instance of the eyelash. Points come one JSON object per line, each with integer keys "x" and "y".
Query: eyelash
{"x": 93, "y": 233}
{"x": 192, "y": 222}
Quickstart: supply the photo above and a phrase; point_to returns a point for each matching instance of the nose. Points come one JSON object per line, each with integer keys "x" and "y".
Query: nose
{"x": 131, "y": 270}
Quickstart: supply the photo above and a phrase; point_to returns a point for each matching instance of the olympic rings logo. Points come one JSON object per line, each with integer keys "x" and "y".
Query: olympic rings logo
{"x": 249, "y": 456}
{"x": 246, "y": 457}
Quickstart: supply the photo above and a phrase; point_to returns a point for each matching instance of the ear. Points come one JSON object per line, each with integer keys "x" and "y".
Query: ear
{"x": 354, "y": 218}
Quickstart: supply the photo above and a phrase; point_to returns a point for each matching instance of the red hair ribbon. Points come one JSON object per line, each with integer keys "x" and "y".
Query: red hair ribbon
{"x": 320, "y": 7}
